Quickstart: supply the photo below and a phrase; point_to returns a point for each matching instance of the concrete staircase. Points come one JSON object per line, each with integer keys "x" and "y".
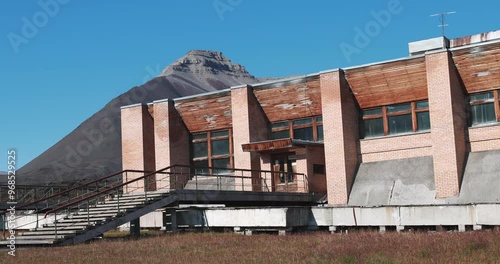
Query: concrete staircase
{"x": 82, "y": 225}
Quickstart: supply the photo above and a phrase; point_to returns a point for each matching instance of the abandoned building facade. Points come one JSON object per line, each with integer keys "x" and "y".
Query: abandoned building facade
{"x": 414, "y": 131}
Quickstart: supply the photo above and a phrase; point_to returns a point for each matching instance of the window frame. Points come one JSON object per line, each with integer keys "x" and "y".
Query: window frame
{"x": 496, "y": 105}
{"x": 209, "y": 138}
{"x": 290, "y": 128}
{"x": 385, "y": 114}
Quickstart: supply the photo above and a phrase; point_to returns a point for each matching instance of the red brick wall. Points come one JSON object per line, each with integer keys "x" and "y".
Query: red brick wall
{"x": 172, "y": 140}
{"x": 396, "y": 147}
{"x": 341, "y": 133}
{"x": 448, "y": 123}
{"x": 137, "y": 144}
{"x": 249, "y": 125}
{"x": 316, "y": 182}
{"x": 484, "y": 138}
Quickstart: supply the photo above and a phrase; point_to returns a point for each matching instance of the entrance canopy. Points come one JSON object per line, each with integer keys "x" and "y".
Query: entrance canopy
{"x": 278, "y": 144}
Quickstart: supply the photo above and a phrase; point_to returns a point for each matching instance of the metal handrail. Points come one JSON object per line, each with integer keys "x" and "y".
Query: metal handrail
{"x": 159, "y": 172}
{"x": 106, "y": 190}
{"x": 73, "y": 188}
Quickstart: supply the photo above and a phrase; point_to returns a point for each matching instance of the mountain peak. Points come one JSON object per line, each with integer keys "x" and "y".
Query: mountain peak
{"x": 206, "y": 62}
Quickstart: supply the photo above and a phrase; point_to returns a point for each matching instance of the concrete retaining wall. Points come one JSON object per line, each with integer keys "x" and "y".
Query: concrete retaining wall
{"x": 315, "y": 217}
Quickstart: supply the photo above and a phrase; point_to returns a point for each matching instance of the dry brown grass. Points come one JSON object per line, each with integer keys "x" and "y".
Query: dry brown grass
{"x": 362, "y": 247}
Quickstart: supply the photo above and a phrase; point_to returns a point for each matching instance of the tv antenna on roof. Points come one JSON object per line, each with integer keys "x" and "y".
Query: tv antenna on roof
{"x": 442, "y": 17}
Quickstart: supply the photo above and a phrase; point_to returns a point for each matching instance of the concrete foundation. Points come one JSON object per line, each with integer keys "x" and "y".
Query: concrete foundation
{"x": 288, "y": 218}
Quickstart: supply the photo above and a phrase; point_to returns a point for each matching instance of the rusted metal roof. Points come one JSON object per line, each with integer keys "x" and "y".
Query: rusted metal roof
{"x": 290, "y": 100}
{"x": 206, "y": 112}
{"x": 389, "y": 83}
{"x": 479, "y": 67}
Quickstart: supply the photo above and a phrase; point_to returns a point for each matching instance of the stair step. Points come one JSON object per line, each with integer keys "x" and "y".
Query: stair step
{"x": 113, "y": 209}
{"x": 82, "y": 220}
{"x": 63, "y": 225}
{"x": 41, "y": 233}
{"x": 106, "y": 205}
{"x": 42, "y": 237}
{"x": 150, "y": 194}
{"x": 61, "y": 228}
{"x": 30, "y": 242}
{"x": 84, "y": 215}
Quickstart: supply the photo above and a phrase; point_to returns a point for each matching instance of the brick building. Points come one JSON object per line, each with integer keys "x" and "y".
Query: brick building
{"x": 420, "y": 130}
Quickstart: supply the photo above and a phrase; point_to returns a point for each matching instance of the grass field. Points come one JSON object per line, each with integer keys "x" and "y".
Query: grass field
{"x": 359, "y": 247}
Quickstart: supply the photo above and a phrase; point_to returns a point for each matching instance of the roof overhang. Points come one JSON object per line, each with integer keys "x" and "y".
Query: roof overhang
{"x": 278, "y": 145}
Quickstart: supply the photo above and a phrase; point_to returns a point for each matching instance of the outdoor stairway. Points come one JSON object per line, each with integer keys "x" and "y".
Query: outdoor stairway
{"x": 82, "y": 225}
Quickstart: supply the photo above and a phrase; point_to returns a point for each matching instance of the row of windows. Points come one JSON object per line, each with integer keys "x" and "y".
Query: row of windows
{"x": 310, "y": 129}
{"x": 396, "y": 119}
{"x": 214, "y": 149}
{"x": 484, "y": 108}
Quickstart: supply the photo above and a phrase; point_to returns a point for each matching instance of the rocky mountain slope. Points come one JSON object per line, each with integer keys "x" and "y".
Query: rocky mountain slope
{"x": 93, "y": 149}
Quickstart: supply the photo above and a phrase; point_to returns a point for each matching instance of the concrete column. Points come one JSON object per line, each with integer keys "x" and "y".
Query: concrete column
{"x": 138, "y": 152}
{"x": 448, "y": 123}
{"x": 340, "y": 125}
{"x": 171, "y": 143}
{"x": 249, "y": 125}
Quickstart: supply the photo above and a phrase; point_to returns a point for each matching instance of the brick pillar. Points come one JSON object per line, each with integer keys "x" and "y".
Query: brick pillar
{"x": 340, "y": 125}
{"x": 138, "y": 151}
{"x": 448, "y": 123}
{"x": 172, "y": 143}
{"x": 249, "y": 125}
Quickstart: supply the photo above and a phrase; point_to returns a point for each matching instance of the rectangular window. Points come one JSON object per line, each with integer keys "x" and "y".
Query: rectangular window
{"x": 423, "y": 121}
{"x": 280, "y": 134}
{"x": 484, "y": 108}
{"x": 396, "y": 119}
{"x": 200, "y": 149}
{"x": 303, "y": 133}
{"x": 373, "y": 127}
{"x": 212, "y": 149}
{"x": 319, "y": 169}
{"x": 398, "y": 108}
{"x": 280, "y": 130}
{"x": 400, "y": 124}
{"x": 320, "y": 133}
{"x": 310, "y": 129}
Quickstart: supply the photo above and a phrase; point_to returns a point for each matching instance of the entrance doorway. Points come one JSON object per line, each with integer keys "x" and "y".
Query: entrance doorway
{"x": 283, "y": 167}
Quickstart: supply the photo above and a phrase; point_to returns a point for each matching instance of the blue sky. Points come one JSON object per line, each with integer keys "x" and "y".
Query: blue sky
{"x": 80, "y": 54}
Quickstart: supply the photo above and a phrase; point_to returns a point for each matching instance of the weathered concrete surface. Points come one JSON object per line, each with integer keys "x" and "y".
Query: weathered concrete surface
{"x": 481, "y": 181}
{"x": 246, "y": 217}
{"x": 488, "y": 214}
{"x": 411, "y": 182}
{"x": 395, "y": 182}
{"x": 211, "y": 183}
{"x": 438, "y": 215}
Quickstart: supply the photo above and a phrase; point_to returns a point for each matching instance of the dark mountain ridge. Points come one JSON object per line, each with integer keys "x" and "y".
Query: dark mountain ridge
{"x": 93, "y": 149}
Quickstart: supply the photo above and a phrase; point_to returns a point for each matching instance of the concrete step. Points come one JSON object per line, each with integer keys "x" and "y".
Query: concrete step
{"x": 61, "y": 228}
{"x": 62, "y": 232}
{"x": 109, "y": 210}
{"x": 92, "y": 214}
{"x": 83, "y": 220}
{"x": 64, "y": 225}
{"x": 149, "y": 194}
{"x": 42, "y": 237}
{"x": 30, "y": 242}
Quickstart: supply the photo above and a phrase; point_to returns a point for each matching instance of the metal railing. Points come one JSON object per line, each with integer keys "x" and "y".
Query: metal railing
{"x": 50, "y": 200}
{"x": 145, "y": 185}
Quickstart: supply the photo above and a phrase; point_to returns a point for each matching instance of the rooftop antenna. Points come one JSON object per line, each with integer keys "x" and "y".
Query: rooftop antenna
{"x": 442, "y": 17}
